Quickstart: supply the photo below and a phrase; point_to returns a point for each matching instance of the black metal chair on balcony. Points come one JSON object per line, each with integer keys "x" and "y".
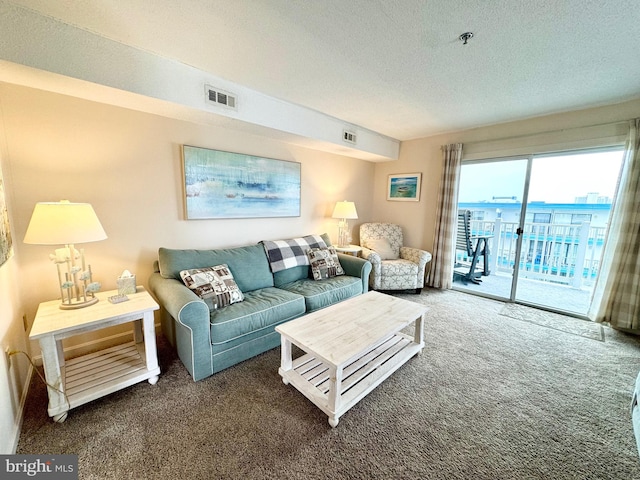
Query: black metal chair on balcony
{"x": 467, "y": 268}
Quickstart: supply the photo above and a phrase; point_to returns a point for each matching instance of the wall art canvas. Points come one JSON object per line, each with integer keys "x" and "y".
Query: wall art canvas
{"x": 221, "y": 184}
{"x": 5, "y": 233}
{"x": 404, "y": 187}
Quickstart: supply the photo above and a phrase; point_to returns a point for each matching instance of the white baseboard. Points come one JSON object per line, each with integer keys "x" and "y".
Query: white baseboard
{"x": 17, "y": 426}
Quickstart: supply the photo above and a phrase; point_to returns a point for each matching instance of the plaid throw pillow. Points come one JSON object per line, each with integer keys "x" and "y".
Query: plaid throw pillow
{"x": 285, "y": 254}
{"x": 324, "y": 263}
{"x": 215, "y": 285}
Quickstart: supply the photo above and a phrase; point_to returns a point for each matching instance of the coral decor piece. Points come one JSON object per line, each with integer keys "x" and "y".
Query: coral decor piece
{"x": 77, "y": 287}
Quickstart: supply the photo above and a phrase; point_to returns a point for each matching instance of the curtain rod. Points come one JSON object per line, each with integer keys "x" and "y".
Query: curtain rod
{"x": 528, "y": 135}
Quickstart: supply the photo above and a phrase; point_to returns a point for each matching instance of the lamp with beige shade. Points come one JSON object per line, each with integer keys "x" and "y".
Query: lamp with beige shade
{"x": 66, "y": 223}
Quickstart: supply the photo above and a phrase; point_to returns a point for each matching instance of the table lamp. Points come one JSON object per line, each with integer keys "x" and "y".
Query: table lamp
{"x": 66, "y": 223}
{"x": 344, "y": 211}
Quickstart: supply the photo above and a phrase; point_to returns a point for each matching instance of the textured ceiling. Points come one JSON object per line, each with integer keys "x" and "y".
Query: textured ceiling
{"x": 393, "y": 66}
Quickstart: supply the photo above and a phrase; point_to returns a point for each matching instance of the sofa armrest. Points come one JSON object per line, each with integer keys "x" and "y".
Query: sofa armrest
{"x": 190, "y": 331}
{"x": 356, "y": 267}
{"x": 376, "y": 266}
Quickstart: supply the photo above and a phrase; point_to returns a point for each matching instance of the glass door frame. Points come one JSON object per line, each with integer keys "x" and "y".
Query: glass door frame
{"x": 520, "y": 231}
{"x": 515, "y": 275}
{"x": 525, "y": 189}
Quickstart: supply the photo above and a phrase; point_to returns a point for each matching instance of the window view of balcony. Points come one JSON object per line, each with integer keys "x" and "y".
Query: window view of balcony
{"x": 544, "y": 232}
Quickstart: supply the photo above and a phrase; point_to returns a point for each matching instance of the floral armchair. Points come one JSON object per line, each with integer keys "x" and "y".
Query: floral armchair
{"x": 395, "y": 267}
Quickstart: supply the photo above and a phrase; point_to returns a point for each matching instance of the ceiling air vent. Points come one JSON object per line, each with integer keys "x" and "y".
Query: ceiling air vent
{"x": 220, "y": 97}
{"x": 349, "y": 136}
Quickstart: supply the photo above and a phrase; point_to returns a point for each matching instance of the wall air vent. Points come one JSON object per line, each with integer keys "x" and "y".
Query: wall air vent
{"x": 217, "y": 97}
{"x": 349, "y": 136}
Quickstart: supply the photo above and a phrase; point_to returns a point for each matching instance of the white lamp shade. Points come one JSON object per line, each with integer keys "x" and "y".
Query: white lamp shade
{"x": 346, "y": 210}
{"x": 63, "y": 223}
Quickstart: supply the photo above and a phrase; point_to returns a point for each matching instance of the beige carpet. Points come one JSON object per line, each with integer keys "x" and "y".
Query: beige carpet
{"x": 489, "y": 398}
{"x": 556, "y": 321}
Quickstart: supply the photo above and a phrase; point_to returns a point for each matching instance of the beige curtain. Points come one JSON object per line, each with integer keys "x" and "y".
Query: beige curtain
{"x": 616, "y": 296}
{"x": 441, "y": 273}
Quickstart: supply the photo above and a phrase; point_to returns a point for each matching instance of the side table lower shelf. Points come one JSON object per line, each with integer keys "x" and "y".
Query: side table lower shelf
{"x": 97, "y": 374}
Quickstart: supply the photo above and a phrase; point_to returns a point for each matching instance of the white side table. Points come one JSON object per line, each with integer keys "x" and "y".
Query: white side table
{"x": 86, "y": 378}
{"x": 349, "y": 249}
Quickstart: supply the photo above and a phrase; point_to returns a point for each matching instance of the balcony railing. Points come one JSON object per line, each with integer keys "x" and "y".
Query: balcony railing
{"x": 560, "y": 253}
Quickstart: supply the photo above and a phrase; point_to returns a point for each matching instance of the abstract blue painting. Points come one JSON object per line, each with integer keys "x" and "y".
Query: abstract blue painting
{"x": 220, "y": 184}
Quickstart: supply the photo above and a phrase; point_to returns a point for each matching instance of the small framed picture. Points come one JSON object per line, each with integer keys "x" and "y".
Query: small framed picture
{"x": 404, "y": 187}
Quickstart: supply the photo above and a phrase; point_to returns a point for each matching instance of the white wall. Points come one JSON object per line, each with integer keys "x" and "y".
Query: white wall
{"x": 14, "y": 372}
{"x": 14, "y": 375}
{"x": 127, "y": 164}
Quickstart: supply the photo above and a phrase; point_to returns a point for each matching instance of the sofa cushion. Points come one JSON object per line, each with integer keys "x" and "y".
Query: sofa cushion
{"x": 284, "y": 277}
{"x": 324, "y": 263}
{"x": 322, "y": 294}
{"x": 260, "y": 309}
{"x": 215, "y": 285}
{"x": 248, "y": 265}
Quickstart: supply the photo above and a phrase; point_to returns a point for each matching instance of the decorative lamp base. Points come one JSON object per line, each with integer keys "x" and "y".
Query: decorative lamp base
{"x": 344, "y": 239}
{"x": 78, "y": 303}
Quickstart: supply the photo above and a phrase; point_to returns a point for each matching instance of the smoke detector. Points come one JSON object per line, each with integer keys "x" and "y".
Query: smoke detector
{"x": 465, "y": 37}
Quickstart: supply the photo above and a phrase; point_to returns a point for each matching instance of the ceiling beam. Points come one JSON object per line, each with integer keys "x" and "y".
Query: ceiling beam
{"x": 44, "y": 53}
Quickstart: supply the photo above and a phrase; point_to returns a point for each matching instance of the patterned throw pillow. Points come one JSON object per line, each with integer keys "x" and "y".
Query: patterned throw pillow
{"x": 215, "y": 285}
{"x": 324, "y": 263}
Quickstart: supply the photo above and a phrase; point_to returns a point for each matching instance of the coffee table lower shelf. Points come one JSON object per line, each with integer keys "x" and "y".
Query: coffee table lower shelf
{"x": 317, "y": 381}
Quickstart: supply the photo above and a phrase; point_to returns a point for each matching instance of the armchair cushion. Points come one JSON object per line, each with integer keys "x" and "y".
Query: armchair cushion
{"x": 383, "y": 248}
{"x": 399, "y": 268}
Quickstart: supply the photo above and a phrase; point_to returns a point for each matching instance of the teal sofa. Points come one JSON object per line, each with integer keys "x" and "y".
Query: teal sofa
{"x": 209, "y": 341}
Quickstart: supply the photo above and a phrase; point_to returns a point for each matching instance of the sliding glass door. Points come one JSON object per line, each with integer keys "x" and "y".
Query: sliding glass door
{"x": 567, "y": 213}
{"x": 545, "y": 220}
{"x": 492, "y": 192}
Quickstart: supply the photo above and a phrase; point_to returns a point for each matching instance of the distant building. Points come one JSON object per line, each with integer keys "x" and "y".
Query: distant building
{"x": 555, "y": 247}
{"x": 593, "y": 197}
{"x": 595, "y": 213}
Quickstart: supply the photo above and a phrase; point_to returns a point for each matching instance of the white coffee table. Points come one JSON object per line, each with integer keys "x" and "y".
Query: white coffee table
{"x": 350, "y": 348}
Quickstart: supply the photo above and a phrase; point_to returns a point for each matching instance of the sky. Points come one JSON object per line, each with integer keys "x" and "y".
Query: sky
{"x": 556, "y": 179}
